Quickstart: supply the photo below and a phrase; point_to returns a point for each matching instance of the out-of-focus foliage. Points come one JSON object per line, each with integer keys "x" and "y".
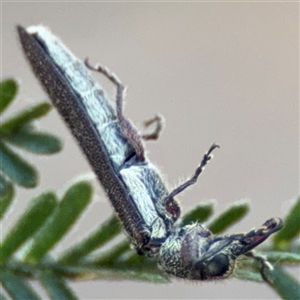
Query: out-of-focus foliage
{"x": 18, "y": 132}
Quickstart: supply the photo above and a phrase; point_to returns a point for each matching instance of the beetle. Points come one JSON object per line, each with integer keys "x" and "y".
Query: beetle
{"x": 115, "y": 150}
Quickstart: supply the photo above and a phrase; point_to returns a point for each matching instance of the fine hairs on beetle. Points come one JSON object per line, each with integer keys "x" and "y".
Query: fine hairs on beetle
{"x": 114, "y": 148}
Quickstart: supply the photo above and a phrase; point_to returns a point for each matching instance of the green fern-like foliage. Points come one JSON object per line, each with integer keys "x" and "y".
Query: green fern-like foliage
{"x": 19, "y": 131}
{"x": 25, "y": 251}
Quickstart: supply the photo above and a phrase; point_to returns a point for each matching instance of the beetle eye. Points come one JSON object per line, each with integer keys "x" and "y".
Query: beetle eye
{"x": 218, "y": 265}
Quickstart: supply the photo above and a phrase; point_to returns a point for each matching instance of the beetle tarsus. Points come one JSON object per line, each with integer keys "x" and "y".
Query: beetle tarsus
{"x": 158, "y": 120}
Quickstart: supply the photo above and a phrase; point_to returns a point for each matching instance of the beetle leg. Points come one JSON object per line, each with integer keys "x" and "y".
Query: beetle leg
{"x": 158, "y": 120}
{"x": 207, "y": 157}
{"x": 169, "y": 203}
{"x": 264, "y": 263}
{"x": 127, "y": 128}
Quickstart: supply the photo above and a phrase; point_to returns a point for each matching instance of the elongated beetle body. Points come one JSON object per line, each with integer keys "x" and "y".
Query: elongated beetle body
{"x": 115, "y": 150}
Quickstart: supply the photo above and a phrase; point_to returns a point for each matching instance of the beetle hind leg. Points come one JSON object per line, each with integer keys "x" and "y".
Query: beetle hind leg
{"x": 127, "y": 128}
{"x": 159, "y": 121}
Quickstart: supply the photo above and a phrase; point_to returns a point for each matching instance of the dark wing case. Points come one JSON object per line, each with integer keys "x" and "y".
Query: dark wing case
{"x": 69, "y": 103}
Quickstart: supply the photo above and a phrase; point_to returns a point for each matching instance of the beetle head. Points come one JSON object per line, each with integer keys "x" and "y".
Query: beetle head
{"x": 192, "y": 252}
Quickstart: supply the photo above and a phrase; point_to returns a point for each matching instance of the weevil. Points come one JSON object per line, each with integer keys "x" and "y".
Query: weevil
{"x": 149, "y": 213}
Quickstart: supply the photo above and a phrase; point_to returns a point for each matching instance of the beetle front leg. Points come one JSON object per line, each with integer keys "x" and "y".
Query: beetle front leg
{"x": 264, "y": 263}
{"x": 207, "y": 157}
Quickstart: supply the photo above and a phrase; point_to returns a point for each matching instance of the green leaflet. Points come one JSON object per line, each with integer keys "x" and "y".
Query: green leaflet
{"x": 284, "y": 284}
{"x": 18, "y": 130}
{"x": 104, "y": 233}
{"x": 36, "y": 142}
{"x": 198, "y": 214}
{"x": 8, "y": 91}
{"x": 231, "y": 215}
{"x": 25, "y": 116}
{"x": 56, "y": 286}
{"x": 291, "y": 227}
{"x": 16, "y": 168}
{"x": 112, "y": 255}
{"x": 248, "y": 275}
{"x": 35, "y": 215}
{"x": 283, "y": 257}
{"x": 7, "y": 193}
{"x": 75, "y": 200}
{"x": 17, "y": 287}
